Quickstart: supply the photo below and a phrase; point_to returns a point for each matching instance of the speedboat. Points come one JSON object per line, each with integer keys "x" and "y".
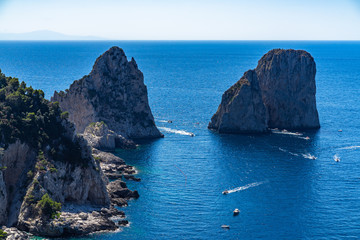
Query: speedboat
{"x": 225, "y": 192}
{"x": 337, "y": 159}
{"x": 236, "y": 212}
{"x": 307, "y": 138}
{"x": 225, "y": 226}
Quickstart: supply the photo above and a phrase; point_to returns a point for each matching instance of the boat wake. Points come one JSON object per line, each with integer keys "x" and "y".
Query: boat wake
{"x": 350, "y": 148}
{"x": 291, "y": 153}
{"x": 309, "y": 156}
{"x": 181, "y": 132}
{"x": 242, "y": 188}
{"x": 285, "y": 132}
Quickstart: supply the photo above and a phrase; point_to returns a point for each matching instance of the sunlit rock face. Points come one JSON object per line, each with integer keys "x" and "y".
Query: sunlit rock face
{"x": 279, "y": 93}
{"x": 114, "y": 92}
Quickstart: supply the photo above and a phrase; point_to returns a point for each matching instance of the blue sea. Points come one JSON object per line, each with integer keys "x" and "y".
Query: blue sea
{"x": 280, "y": 190}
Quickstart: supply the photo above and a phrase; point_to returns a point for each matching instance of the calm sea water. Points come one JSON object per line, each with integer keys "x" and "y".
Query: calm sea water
{"x": 286, "y": 195}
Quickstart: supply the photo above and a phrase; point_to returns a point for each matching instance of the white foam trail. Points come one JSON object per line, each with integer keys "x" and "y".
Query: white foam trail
{"x": 181, "y": 132}
{"x": 350, "y": 148}
{"x": 285, "y": 132}
{"x": 305, "y": 138}
{"x": 309, "y": 156}
{"x": 163, "y": 121}
{"x": 246, "y": 187}
{"x": 283, "y": 150}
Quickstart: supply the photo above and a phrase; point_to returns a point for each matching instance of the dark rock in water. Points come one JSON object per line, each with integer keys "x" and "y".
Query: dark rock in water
{"x": 279, "y": 93}
{"x": 131, "y": 177}
{"x": 123, "y": 223}
{"x": 242, "y": 109}
{"x": 119, "y": 193}
{"x": 114, "y": 92}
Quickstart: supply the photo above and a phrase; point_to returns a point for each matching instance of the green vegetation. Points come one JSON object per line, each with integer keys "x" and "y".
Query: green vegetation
{"x": 64, "y": 115}
{"x": 27, "y": 116}
{"x": 3, "y": 234}
{"x": 30, "y": 174}
{"x": 48, "y": 207}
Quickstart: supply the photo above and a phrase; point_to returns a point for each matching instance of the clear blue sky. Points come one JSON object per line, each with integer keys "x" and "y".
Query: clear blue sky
{"x": 187, "y": 19}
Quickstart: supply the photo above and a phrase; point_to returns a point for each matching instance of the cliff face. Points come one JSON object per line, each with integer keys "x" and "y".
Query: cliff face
{"x": 114, "y": 92}
{"x": 3, "y": 200}
{"x": 241, "y": 109}
{"x": 63, "y": 181}
{"x": 279, "y": 93}
{"x": 287, "y": 82}
{"x": 40, "y": 155}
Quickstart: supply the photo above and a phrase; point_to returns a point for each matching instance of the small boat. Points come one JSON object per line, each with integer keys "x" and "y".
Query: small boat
{"x": 169, "y": 121}
{"x": 340, "y": 130}
{"x": 337, "y": 159}
{"x": 225, "y": 192}
{"x": 225, "y": 226}
{"x": 307, "y": 138}
{"x": 284, "y": 131}
{"x": 236, "y": 212}
{"x": 192, "y": 135}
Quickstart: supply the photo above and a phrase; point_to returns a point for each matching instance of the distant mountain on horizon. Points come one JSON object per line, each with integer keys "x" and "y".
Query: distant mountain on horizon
{"x": 44, "y": 35}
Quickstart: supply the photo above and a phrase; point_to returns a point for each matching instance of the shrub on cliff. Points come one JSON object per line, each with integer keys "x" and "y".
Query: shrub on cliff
{"x": 27, "y": 116}
{"x": 48, "y": 207}
{"x": 3, "y": 234}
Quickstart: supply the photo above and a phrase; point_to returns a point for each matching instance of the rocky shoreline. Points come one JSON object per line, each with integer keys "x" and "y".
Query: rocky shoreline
{"x": 84, "y": 219}
{"x": 58, "y": 177}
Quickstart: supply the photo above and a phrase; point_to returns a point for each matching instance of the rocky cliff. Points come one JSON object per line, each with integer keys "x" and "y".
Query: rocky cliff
{"x": 242, "y": 109}
{"x": 45, "y": 167}
{"x": 114, "y": 93}
{"x": 279, "y": 93}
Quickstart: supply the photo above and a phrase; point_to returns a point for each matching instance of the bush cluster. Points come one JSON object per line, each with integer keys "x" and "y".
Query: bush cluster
{"x": 3, "y": 234}
{"x": 48, "y": 207}
{"x": 26, "y": 115}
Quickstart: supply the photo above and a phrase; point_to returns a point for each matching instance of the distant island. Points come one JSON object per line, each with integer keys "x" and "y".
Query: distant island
{"x": 45, "y": 35}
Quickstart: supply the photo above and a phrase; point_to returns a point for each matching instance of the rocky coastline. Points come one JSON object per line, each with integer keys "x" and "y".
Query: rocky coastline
{"x": 67, "y": 182}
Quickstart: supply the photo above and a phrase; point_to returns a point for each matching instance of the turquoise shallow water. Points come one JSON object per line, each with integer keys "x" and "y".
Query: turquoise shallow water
{"x": 289, "y": 197}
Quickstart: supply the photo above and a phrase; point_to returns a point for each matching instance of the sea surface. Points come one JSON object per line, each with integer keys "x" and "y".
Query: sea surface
{"x": 280, "y": 189}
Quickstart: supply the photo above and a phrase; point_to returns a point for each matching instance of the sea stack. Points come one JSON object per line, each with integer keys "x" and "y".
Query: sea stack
{"x": 114, "y": 93}
{"x": 279, "y": 93}
{"x": 242, "y": 109}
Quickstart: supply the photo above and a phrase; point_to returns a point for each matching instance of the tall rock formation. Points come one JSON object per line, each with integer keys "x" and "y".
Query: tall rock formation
{"x": 279, "y": 93}
{"x": 114, "y": 92}
{"x": 287, "y": 82}
{"x": 242, "y": 109}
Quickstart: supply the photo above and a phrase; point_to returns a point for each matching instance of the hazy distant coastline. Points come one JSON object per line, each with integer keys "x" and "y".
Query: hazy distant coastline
{"x": 44, "y": 35}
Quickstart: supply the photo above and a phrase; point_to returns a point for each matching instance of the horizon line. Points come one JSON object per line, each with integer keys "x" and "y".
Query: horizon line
{"x": 179, "y": 40}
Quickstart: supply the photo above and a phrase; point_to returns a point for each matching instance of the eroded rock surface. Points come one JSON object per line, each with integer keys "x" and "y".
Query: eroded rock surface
{"x": 279, "y": 93}
{"x": 114, "y": 92}
{"x": 101, "y": 137}
{"x": 287, "y": 82}
{"x": 242, "y": 109}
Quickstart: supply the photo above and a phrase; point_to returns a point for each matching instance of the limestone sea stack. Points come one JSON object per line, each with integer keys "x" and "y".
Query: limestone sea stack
{"x": 114, "y": 93}
{"x": 279, "y": 93}
{"x": 242, "y": 109}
